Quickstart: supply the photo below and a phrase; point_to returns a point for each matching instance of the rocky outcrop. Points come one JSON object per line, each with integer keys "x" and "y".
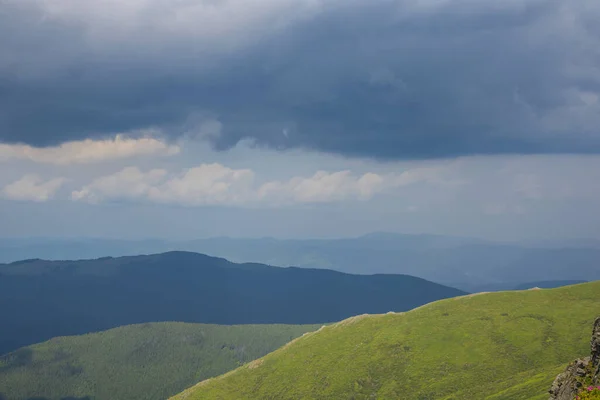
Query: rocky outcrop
{"x": 567, "y": 384}
{"x": 595, "y": 358}
{"x": 583, "y": 371}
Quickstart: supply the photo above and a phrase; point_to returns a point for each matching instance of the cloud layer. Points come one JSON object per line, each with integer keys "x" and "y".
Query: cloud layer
{"x": 385, "y": 79}
{"x": 87, "y": 151}
{"x": 32, "y": 188}
{"x": 283, "y": 195}
{"x": 215, "y": 184}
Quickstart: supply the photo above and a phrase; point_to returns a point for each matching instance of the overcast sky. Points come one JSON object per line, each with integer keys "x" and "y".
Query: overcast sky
{"x": 299, "y": 118}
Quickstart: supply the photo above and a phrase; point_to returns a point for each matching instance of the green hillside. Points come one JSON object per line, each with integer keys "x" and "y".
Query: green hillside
{"x": 146, "y": 362}
{"x": 505, "y": 345}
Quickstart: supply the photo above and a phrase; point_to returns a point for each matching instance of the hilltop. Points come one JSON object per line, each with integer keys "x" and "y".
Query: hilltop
{"x": 136, "y": 362}
{"x": 503, "y": 345}
{"x": 465, "y": 263}
{"x": 44, "y": 299}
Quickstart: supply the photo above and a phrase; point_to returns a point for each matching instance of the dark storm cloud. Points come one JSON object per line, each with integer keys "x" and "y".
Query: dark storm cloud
{"x": 383, "y": 79}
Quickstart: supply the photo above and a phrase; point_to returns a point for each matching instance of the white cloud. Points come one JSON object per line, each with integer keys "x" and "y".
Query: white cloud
{"x": 322, "y": 187}
{"x": 130, "y": 183}
{"x": 430, "y": 174}
{"x": 215, "y": 184}
{"x": 32, "y": 188}
{"x": 207, "y": 184}
{"x": 89, "y": 151}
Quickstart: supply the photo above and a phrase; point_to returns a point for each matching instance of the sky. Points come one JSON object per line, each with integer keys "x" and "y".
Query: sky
{"x": 299, "y": 118}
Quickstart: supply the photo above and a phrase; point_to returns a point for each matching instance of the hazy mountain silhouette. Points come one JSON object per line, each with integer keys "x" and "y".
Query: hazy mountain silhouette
{"x": 454, "y": 261}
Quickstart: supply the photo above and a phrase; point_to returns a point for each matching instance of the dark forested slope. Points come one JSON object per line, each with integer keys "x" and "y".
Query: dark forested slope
{"x": 136, "y": 362}
{"x": 43, "y": 299}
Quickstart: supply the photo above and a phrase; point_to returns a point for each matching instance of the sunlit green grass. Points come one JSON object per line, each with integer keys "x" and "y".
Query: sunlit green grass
{"x": 507, "y": 345}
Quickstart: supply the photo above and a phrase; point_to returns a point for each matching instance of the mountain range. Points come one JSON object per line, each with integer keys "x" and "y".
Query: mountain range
{"x": 44, "y": 299}
{"x": 369, "y": 336}
{"x": 469, "y": 264}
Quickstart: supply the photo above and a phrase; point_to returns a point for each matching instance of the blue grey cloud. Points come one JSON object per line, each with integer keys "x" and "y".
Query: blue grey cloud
{"x": 381, "y": 79}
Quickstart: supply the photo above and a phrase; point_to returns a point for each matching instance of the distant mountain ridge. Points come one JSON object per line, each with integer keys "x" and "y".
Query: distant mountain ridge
{"x": 465, "y": 263}
{"x": 44, "y": 299}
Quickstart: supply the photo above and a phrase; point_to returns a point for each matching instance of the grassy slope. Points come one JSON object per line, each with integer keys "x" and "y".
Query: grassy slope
{"x": 147, "y": 361}
{"x": 506, "y": 345}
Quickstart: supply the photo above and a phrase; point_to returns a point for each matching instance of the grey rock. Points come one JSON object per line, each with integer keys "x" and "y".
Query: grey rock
{"x": 567, "y": 384}
{"x": 595, "y": 357}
